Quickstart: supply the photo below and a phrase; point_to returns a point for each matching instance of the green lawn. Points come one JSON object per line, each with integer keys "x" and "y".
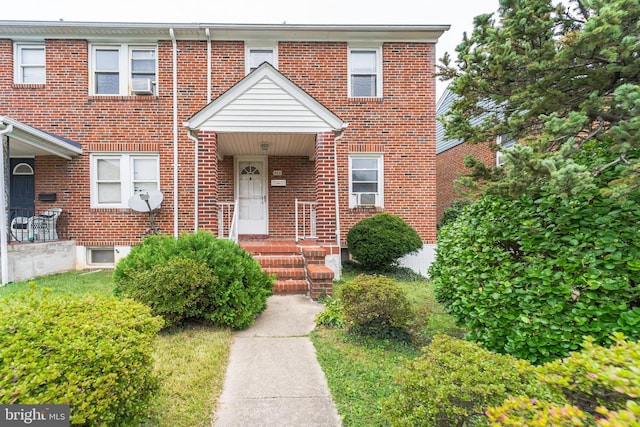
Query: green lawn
{"x": 191, "y": 360}
{"x": 360, "y": 370}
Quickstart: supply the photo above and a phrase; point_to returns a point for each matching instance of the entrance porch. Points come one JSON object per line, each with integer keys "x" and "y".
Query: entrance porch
{"x": 299, "y": 267}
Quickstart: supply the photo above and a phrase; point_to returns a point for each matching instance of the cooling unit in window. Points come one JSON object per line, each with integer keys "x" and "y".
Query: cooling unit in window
{"x": 366, "y": 199}
{"x": 142, "y": 86}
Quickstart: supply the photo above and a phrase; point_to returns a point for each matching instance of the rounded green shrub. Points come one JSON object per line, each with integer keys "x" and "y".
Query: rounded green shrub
{"x": 226, "y": 286}
{"x": 378, "y": 242}
{"x": 92, "y": 353}
{"x": 532, "y": 276}
{"x": 177, "y": 290}
{"x": 375, "y": 305}
{"x": 452, "y": 384}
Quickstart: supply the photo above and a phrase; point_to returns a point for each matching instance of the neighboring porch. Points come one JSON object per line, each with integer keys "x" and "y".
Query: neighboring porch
{"x": 29, "y": 215}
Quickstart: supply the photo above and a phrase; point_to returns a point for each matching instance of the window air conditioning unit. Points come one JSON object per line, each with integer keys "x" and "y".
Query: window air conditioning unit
{"x": 366, "y": 199}
{"x": 142, "y": 86}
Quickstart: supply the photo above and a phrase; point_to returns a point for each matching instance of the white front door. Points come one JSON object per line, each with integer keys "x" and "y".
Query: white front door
{"x": 252, "y": 196}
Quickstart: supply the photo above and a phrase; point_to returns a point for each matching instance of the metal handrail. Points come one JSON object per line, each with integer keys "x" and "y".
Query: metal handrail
{"x": 228, "y": 220}
{"x": 308, "y": 223}
{"x": 30, "y": 226}
{"x": 233, "y": 229}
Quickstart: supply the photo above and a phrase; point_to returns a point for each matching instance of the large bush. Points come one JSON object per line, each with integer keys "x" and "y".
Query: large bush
{"x": 222, "y": 283}
{"x": 532, "y": 277}
{"x": 378, "y": 242}
{"x": 452, "y": 384}
{"x": 375, "y": 305}
{"x": 92, "y": 353}
{"x": 596, "y": 385}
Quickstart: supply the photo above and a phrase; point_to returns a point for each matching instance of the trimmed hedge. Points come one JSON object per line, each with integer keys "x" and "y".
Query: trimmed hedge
{"x": 93, "y": 353}
{"x": 221, "y": 284}
{"x": 378, "y": 242}
{"x": 452, "y": 384}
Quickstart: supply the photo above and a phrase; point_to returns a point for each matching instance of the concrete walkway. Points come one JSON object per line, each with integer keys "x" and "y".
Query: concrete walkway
{"x": 274, "y": 378}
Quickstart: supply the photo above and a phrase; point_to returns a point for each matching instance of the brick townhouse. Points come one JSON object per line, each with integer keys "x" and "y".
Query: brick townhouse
{"x": 277, "y": 136}
{"x": 450, "y": 155}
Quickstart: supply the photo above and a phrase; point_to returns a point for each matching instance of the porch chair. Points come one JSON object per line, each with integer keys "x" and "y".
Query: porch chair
{"x": 20, "y": 228}
{"x": 43, "y": 227}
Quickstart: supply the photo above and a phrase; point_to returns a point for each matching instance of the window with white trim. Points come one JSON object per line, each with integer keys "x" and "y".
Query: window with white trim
{"x": 504, "y": 143}
{"x": 123, "y": 70}
{"x": 365, "y": 73}
{"x": 30, "y": 63}
{"x": 255, "y": 55}
{"x": 117, "y": 177}
{"x": 366, "y": 180}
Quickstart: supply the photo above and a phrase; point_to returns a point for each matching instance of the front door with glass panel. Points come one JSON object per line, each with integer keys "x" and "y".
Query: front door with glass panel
{"x": 252, "y": 196}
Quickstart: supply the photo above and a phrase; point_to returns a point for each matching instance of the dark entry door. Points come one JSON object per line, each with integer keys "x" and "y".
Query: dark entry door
{"x": 21, "y": 187}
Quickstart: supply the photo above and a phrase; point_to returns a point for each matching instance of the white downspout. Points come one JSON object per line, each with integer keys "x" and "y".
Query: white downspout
{"x": 196, "y": 205}
{"x": 4, "y": 256}
{"x": 206, "y": 30}
{"x": 175, "y": 133}
{"x": 338, "y": 134}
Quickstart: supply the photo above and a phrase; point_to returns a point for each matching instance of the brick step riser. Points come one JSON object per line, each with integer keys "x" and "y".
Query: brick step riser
{"x": 287, "y": 273}
{"x": 281, "y": 287}
{"x": 281, "y": 261}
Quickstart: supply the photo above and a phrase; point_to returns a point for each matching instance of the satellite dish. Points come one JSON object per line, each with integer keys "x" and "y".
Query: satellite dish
{"x": 146, "y": 201}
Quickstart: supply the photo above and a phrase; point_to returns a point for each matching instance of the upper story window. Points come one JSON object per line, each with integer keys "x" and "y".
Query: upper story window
{"x": 256, "y": 55}
{"x": 117, "y": 177}
{"x": 365, "y": 72}
{"x": 123, "y": 70}
{"x": 30, "y": 63}
{"x": 366, "y": 180}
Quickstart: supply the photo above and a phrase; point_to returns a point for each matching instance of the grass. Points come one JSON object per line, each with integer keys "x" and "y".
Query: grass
{"x": 360, "y": 373}
{"x": 96, "y": 282}
{"x": 191, "y": 360}
{"x": 360, "y": 370}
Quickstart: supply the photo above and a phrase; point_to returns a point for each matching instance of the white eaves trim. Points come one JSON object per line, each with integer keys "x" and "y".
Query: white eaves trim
{"x": 265, "y": 101}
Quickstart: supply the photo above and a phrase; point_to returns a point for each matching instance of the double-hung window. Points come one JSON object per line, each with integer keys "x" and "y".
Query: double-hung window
{"x": 256, "y": 55}
{"x": 30, "y": 66}
{"x": 366, "y": 184}
{"x": 365, "y": 73}
{"x": 123, "y": 70}
{"x": 117, "y": 177}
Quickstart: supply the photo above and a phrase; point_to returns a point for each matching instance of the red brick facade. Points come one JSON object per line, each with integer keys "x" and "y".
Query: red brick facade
{"x": 400, "y": 125}
{"x": 450, "y": 166}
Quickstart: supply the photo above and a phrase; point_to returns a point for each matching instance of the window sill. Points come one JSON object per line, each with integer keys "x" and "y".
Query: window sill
{"x": 36, "y": 86}
{"x": 123, "y": 98}
{"x": 365, "y": 100}
{"x": 367, "y": 208}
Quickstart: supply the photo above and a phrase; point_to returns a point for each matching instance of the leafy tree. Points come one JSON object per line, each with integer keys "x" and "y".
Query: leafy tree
{"x": 553, "y": 76}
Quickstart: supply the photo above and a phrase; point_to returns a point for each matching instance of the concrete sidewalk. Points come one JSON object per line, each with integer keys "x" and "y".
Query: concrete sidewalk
{"x": 274, "y": 378}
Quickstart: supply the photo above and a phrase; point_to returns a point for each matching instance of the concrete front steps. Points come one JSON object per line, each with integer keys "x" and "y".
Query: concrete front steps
{"x": 299, "y": 269}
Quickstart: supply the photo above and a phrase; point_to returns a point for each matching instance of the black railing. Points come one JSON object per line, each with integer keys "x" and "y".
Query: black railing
{"x": 28, "y": 225}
